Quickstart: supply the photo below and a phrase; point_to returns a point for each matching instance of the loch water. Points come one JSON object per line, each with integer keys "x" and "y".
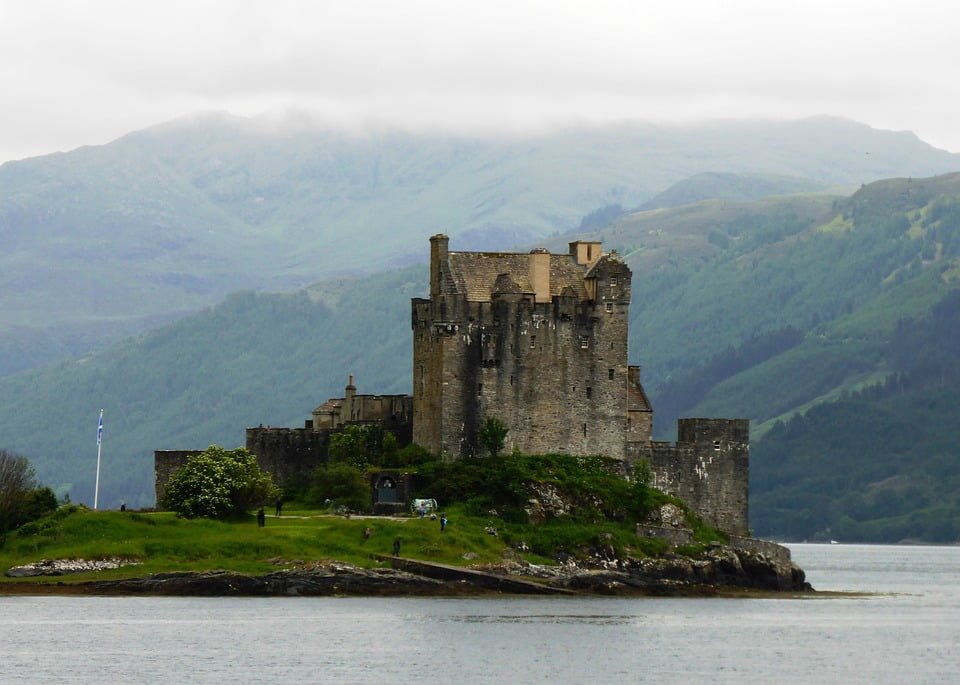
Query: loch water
{"x": 905, "y": 629}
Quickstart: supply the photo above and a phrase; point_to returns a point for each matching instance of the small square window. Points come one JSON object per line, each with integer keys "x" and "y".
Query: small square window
{"x": 584, "y": 342}
{"x": 589, "y": 392}
{"x": 716, "y": 445}
{"x": 533, "y": 341}
{"x": 608, "y": 306}
{"x": 613, "y": 280}
{"x": 609, "y": 374}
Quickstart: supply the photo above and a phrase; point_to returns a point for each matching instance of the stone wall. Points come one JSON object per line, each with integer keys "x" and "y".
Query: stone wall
{"x": 708, "y": 468}
{"x": 672, "y": 536}
{"x": 555, "y": 371}
{"x": 165, "y": 462}
{"x": 290, "y": 455}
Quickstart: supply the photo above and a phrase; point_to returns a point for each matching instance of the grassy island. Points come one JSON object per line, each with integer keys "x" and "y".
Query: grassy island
{"x": 487, "y": 503}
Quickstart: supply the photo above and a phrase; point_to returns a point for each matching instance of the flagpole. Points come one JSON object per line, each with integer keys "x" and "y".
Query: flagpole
{"x": 96, "y": 488}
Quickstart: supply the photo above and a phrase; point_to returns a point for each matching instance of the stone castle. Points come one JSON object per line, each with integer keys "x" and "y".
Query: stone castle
{"x": 538, "y": 341}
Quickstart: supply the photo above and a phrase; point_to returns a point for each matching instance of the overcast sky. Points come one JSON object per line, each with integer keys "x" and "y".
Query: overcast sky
{"x": 86, "y": 72}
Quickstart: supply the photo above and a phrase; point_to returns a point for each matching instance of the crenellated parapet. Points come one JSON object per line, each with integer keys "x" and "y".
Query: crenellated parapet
{"x": 708, "y": 468}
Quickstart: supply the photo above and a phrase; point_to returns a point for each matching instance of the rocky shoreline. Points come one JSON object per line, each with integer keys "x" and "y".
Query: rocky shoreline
{"x": 720, "y": 570}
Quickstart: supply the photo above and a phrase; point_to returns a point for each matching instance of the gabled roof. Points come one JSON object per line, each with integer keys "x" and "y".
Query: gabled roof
{"x": 637, "y": 399}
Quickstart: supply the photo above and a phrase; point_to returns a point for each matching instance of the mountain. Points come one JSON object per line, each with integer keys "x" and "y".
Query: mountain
{"x": 110, "y": 240}
{"x": 253, "y": 359}
{"x": 827, "y": 320}
{"x": 729, "y": 186}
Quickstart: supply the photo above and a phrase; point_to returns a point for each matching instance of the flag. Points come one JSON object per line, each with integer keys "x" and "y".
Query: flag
{"x": 100, "y": 429}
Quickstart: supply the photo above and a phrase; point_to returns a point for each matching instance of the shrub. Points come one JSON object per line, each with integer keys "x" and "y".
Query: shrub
{"x": 21, "y": 500}
{"x": 492, "y": 435}
{"x": 341, "y": 484}
{"x": 220, "y": 484}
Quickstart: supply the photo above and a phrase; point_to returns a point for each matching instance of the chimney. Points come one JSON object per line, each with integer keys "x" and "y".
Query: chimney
{"x": 438, "y": 261}
{"x": 585, "y": 251}
{"x": 539, "y": 273}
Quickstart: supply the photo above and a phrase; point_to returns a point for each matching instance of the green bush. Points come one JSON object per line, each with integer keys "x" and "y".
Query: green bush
{"x": 219, "y": 484}
{"x": 341, "y": 485}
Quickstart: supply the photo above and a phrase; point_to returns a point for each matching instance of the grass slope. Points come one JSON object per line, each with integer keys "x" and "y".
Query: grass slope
{"x": 600, "y": 512}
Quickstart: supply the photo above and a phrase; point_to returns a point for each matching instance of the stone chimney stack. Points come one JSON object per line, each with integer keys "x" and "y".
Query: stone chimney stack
{"x": 539, "y": 273}
{"x": 439, "y": 251}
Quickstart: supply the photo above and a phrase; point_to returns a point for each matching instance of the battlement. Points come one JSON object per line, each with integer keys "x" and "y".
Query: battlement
{"x": 708, "y": 468}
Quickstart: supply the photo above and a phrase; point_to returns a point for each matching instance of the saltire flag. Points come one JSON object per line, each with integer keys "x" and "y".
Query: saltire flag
{"x": 100, "y": 429}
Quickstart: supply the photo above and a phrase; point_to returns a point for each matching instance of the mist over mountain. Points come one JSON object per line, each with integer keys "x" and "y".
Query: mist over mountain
{"x": 110, "y": 240}
{"x": 797, "y": 311}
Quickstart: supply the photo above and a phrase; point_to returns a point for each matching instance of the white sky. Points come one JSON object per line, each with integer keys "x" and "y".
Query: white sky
{"x": 78, "y": 72}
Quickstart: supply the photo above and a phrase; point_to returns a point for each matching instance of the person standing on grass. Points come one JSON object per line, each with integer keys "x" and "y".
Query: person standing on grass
{"x": 279, "y": 505}
{"x": 443, "y": 522}
{"x": 261, "y": 518}
{"x": 396, "y": 546}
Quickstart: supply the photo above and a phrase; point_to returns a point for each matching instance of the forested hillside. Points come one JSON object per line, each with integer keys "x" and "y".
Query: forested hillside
{"x": 107, "y": 241}
{"x": 255, "y": 358}
{"x": 828, "y": 321}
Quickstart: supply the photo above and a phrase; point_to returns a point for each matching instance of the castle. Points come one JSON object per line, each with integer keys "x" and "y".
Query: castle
{"x": 538, "y": 341}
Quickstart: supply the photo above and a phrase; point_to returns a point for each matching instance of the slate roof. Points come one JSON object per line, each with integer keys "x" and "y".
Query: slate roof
{"x": 475, "y": 273}
{"x": 637, "y": 399}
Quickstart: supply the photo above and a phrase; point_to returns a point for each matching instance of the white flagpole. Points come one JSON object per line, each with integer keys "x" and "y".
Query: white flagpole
{"x": 96, "y": 488}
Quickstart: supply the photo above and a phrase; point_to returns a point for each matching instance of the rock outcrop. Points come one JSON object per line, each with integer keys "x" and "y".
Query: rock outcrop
{"x": 60, "y": 567}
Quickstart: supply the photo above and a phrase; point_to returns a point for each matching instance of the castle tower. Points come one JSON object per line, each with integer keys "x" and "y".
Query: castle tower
{"x": 537, "y": 340}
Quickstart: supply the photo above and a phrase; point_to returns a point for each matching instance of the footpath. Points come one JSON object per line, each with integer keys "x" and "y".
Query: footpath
{"x": 489, "y": 581}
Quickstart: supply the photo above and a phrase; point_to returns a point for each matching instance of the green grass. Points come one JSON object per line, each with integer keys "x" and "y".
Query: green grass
{"x": 163, "y": 542}
{"x": 486, "y": 513}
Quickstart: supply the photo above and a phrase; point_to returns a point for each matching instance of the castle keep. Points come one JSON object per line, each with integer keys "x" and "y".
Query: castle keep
{"x": 538, "y": 341}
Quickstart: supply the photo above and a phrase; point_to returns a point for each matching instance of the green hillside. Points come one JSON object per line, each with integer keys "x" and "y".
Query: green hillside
{"x": 108, "y": 240}
{"x": 728, "y": 186}
{"x": 793, "y": 311}
{"x": 253, "y": 359}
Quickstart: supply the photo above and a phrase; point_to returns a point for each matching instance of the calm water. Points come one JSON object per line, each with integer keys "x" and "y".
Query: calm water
{"x": 910, "y": 632}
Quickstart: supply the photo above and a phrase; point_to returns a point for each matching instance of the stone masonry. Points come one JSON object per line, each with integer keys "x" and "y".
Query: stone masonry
{"x": 538, "y": 341}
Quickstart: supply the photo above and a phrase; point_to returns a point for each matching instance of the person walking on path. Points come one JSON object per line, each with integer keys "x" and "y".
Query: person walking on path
{"x": 261, "y": 518}
{"x": 279, "y": 505}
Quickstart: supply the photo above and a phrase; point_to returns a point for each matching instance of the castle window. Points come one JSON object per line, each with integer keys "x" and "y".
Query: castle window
{"x": 716, "y": 445}
{"x": 479, "y": 388}
{"x": 589, "y": 392}
{"x": 584, "y": 342}
{"x": 613, "y": 279}
{"x": 533, "y": 341}
{"x": 511, "y": 348}
{"x": 584, "y": 430}
{"x": 511, "y": 380}
{"x": 608, "y": 306}
{"x": 629, "y": 424}
{"x": 609, "y": 374}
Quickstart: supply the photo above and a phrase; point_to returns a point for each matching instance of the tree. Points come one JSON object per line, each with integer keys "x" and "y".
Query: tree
{"x": 492, "y": 435}
{"x": 341, "y": 484}
{"x": 20, "y": 498}
{"x": 363, "y": 445}
{"x": 220, "y": 484}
